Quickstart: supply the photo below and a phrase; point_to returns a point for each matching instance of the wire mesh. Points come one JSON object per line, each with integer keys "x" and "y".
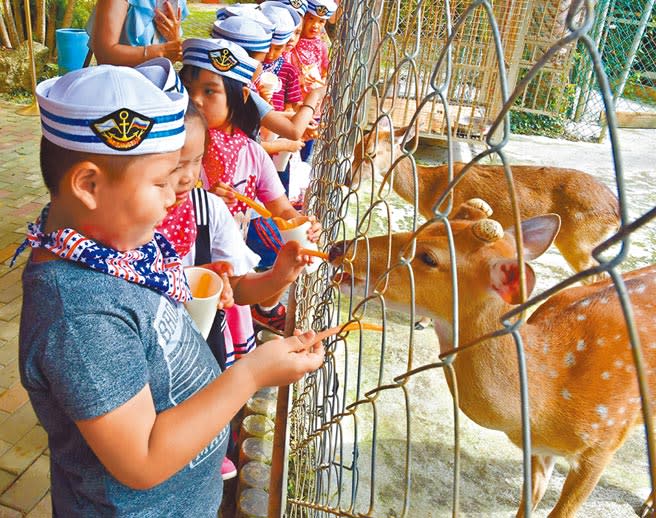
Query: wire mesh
{"x": 377, "y": 431}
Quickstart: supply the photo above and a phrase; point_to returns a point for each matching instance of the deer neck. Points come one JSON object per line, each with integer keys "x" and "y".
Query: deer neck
{"x": 428, "y": 181}
{"x": 487, "y": 373}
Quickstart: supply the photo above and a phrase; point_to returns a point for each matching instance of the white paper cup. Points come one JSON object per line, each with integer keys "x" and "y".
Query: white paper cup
{"x": 206, "y": 287}
{"x": 299, "y": 234}
{"x": 280, "y": 160}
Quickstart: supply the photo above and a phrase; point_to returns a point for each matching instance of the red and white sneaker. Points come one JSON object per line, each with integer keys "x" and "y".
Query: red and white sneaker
{"x": 274, "y": 319}
{"x": 228, "y": 469}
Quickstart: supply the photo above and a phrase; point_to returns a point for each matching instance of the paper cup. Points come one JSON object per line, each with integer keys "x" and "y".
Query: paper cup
{"x": 206, "y": 287}
{"x": 280, "y": 160}
{"x": 299, "y": 234}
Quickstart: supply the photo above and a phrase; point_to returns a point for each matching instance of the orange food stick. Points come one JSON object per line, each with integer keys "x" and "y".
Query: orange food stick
{"x": 202, "y": 289}
{"x": 348, "y": 327}
{"x": 262, "y": 211}
{"x": 315, "y": 253}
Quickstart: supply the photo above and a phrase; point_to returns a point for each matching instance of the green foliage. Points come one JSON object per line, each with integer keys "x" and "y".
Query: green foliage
{"x": 199, "y": 23}
{"x": 82, "y": 11}
{"x": 524, "y": 123}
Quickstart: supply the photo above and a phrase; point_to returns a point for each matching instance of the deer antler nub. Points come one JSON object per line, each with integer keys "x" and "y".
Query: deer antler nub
{"x": 487, "y": 230}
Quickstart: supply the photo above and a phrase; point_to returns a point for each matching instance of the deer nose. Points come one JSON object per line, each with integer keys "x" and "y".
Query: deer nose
{"x": 337, "y": 251}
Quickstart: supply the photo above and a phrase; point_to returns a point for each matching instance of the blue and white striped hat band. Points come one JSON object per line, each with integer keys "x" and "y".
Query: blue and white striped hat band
{"x": 300, "y": 6}
{"x": 161, "y": 73}
{"x": 245, "y": 32}
{"x": 322, "y": 8}
{"x": 110, "y": 110}
{"x": 284, "y": 18}
{"x": 221, "y": 57}
{"x": 251, "y": 11}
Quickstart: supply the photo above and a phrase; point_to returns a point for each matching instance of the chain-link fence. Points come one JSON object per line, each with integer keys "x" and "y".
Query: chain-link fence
{"x": 377, "y": 431}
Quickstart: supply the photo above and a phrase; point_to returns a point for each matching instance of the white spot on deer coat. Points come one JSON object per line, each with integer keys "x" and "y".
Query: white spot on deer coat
{"x": 580, "y": 345}
{"x": 584, "y": 303}
{"x": 618, "y": 363}
{"x": 580, "y": 318}
{"x": 570, "y": 360}
{"x": 595, "y": 426}
{"x": 567, "y": 395}
{"x": 601, "y": 341}
{"x": 640, "y": 288}
{"x": 605, "y": 375}
{"x": 621, "y": 409}
{"x": 610, "y": 422}
{"x": 602, "y": 411}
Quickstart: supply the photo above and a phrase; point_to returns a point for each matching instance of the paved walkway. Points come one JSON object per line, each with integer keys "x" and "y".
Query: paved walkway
{"x": 24, "y": 464}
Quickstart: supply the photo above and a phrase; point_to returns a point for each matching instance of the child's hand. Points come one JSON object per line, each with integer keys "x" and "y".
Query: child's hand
{"x": 227, "y": 299}
{"x": 290, "y": 262}
{"x": 314, "y": 231}
{"x": 224, "y": 191}
{"x": 290, "y": 145}
{"x": 284, "y": 361}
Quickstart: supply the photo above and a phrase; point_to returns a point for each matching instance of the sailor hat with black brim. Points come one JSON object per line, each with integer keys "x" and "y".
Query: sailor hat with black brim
{"x": 251, "y": 11}
{"x": 220, "y": 56}
{"x": 111, "y": 110}
{"x": 160, "y": 71}
{"x": 322, "y": 8}
{"x": 245, "y": 32}
{"x": 284, "y": 18}
{"x": 300, "y": 6}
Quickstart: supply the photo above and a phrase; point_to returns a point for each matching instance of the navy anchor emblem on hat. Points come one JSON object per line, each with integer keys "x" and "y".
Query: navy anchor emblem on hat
{"x": 321, "y": 10}
{"x": 296, "y": 4}
{"x": 123, "y": 129}
{"x": 223, "y": 60}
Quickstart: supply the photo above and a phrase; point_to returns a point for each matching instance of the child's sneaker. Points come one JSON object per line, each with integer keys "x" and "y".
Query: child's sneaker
{"x": 273, "y": 319}
{"x": 228, "y": 469}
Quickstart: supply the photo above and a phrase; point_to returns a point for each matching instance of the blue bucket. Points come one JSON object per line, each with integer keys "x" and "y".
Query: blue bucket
{"x": 71, "y": 49}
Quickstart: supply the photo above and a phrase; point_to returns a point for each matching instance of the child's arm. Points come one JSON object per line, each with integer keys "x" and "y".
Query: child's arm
{"x": 282, "y": 144}
{"x": 142, "y": 448}
{"x": 255, "y": 288}
{"x": 293, "y": 128}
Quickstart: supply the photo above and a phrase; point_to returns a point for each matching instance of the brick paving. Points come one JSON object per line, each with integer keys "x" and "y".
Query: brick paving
{"x": 24, "y": 473}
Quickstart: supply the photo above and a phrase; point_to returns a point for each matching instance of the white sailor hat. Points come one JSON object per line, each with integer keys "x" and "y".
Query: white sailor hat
{"x": 245, "y": 32}
{"x": 251, "y": 11}
{"x": 111, "y": 110}
{"x": 284, "y": 18}
{"x": 160, "y": 71}
{"x": 300, "y": 6}
{"x": 322, "y": 8}
{"x": 220, "y": 56}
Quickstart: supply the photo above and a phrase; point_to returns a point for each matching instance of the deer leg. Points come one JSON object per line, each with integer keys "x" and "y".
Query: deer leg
{"x": 541, "y": 469}
{"x": 580, "y": 482}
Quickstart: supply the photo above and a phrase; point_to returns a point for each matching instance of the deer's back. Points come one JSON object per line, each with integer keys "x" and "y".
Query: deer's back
{"x": 540, "y": 190}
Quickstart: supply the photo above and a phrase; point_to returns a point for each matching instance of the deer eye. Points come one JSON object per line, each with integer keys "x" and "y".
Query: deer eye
{"x": 428, "y": 259}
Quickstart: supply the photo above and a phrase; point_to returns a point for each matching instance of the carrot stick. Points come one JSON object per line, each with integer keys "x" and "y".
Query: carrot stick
{"x": 314, "y": 253}
{"x": 352, "y": 326}
{"x": 262, "y": 211}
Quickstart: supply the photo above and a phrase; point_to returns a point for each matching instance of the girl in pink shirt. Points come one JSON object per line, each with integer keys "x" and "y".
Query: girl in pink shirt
{"x": 217, "y": 74}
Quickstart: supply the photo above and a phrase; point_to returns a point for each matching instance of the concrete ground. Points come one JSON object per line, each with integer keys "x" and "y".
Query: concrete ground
{"x": 24, "y": 477}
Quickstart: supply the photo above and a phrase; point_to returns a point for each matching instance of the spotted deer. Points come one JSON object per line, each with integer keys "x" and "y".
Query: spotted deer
{"x": 588, "y": 210}
{"x": 583, "y": 393}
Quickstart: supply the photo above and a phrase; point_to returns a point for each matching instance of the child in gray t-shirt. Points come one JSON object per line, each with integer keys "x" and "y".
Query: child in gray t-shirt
{"x": 133, "y": 402}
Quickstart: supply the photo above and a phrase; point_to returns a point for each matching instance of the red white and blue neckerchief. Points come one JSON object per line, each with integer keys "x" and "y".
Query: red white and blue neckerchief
{"x": 274, "y": 66}
{"x": 155, "y": 265}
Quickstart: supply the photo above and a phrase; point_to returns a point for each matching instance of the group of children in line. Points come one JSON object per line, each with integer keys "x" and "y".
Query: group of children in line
{"x": 128, "y": 391}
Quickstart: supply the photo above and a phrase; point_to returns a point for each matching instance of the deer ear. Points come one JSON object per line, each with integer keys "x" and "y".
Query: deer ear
{"x": 538, "y": 233}
{"x": 504, "y": 279}
{"x": 384, "y": 125}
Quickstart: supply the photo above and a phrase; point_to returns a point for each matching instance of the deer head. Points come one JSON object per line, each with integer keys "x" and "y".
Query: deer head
{"x": 375, "y": 153}
{"x": 486, "y": 264}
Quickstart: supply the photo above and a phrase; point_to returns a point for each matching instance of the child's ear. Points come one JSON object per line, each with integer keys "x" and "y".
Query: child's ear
{"x": 247, "y": 93}
{"x": 82, "y": 180}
